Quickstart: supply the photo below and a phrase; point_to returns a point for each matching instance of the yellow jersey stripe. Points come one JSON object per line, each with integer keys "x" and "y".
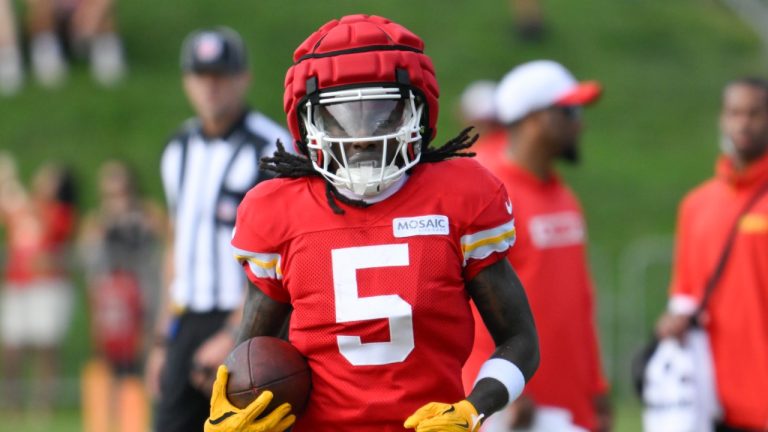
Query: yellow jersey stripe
{"x": 497, "y": 239}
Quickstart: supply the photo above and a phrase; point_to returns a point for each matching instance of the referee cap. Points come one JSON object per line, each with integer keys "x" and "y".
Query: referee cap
{"x": 540, "y": 84}
{"x": 218, "y": 50}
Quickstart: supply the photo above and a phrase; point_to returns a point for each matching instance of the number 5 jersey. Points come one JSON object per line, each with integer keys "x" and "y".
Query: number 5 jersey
{"x": 380, "y": 308}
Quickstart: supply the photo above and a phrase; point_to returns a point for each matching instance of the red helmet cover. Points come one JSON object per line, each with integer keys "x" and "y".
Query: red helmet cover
{"x": 360, "y": 49}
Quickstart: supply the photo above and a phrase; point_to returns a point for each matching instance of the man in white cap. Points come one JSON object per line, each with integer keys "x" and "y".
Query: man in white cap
{"x": 540, "y": 104}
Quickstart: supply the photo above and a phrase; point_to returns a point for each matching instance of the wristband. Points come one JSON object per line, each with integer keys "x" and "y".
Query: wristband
{"x": 507, "y": 373}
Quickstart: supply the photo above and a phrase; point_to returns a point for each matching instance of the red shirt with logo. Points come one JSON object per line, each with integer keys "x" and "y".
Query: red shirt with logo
{"x": 738, "y": 309}
{"x": 550, "y": 259}
{"x": 380, "y": 308}
{"x": 37, "y": 236}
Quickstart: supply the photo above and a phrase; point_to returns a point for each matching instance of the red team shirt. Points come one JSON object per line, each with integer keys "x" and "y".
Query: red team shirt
{"x": 738, "y": 310}
{"x": 37, "y": 235}
{"x": 380, "y": 307}
{"x": 550, "y": 259}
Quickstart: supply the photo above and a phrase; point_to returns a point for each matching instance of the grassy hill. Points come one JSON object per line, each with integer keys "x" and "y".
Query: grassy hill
{"x": 651, "y": 138}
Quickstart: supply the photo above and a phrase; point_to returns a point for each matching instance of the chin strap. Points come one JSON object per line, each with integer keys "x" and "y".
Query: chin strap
{"x": 362, "y": 179}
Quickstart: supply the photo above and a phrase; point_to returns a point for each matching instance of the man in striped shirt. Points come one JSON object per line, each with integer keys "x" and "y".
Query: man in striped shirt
{"x": 206, "y": 168}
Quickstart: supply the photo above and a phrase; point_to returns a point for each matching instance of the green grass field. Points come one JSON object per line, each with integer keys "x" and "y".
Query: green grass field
{"x": 651, "y": 138}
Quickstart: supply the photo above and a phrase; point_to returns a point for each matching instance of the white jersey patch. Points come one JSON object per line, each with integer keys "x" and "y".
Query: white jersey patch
{"x": 557, "y": 230}
{"x": 420, "y": 225}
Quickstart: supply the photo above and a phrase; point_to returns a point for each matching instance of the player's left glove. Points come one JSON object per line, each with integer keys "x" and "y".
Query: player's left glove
{"x": 440, "y": 417}
{"x": 226, "y": 417}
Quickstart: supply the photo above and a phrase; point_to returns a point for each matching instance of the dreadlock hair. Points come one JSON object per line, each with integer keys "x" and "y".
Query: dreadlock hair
{"x": 289, "y": 165}
{"x": 453, "y": 148}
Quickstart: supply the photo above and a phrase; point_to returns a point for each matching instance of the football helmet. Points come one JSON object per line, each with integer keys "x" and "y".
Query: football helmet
{"x": 361, "y": 102}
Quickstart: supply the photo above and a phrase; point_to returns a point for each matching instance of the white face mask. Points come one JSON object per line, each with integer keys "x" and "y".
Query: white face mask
{"x": 364, "y": 139}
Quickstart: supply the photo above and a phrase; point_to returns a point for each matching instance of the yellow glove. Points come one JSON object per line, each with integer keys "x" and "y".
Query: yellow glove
{"x": 225, "y": 417}
{"x": 440, "y": 417}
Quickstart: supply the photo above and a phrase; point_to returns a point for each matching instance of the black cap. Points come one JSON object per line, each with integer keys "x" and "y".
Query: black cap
{"x": 219, "y": 50}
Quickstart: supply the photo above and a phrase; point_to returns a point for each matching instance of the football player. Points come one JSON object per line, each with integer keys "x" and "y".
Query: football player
{"x": 380, "y": 243}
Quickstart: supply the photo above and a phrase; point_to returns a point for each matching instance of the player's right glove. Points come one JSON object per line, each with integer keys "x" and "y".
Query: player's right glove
{"x": 441, "y": 417}
{"x": 226, "y": 417}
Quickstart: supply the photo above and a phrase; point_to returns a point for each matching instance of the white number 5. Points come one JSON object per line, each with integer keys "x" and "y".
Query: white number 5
{"x": 351, "y": 307}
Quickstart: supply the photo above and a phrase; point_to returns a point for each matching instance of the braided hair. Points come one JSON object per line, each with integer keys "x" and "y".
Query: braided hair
{"x": 289, "y": 165}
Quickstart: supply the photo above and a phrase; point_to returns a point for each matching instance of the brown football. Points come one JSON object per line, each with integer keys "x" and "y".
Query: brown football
{"x": 268, "y": 363}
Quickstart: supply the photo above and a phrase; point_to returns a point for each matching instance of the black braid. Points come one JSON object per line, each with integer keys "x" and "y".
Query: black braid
{"x": 289, "y": 165}
{"x": 451, "y": 149}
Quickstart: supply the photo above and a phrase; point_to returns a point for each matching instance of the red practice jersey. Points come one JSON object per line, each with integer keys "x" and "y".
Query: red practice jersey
{"x": 380, "y": 306}
{"x": 550, "y": 259}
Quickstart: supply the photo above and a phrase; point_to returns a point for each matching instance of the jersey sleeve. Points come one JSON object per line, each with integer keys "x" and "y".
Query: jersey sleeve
{"x": 489, "y": 235}
{"x": 684, "y": 293}
{"x": 257, "y": 248}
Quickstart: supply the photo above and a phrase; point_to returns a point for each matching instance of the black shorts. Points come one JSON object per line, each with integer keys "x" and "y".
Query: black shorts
{"x": 721, "y": 427}
{"x": 182, "y": 408}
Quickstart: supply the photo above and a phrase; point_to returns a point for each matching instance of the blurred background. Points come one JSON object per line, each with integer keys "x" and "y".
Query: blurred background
{"x": 650, "y": 139}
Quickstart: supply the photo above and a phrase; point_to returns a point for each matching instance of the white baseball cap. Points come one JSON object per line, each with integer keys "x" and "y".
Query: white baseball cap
{"x": 477, "y": 101}
{"x": 540, "y": 84}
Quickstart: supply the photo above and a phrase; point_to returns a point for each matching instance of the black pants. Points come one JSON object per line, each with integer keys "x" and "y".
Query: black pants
{"x": 725, "y": 428}
{"x": 181, "y": 407}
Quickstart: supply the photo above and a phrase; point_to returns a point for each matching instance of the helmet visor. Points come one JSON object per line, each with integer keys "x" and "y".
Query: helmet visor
{"x": 361, "y": 118}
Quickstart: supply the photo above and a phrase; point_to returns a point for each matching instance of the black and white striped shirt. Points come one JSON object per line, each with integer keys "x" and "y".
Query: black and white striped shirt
{"x": 205, "y": 179}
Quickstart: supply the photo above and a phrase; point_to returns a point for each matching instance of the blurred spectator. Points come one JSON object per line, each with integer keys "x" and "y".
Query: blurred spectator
{"x": 529, "y": 19}
{"x": 37, "y": 294}
{"x": 87, "y": 27}
{"x": 207, "y": 168}
{"x": 540, "y": 103}
{"x": 93, "y": 32}
{"x": 119, "y": 242}
{"x": 736, "y": 313}
{"x": 477, "y": 109}
{"x": 11, "y": 72}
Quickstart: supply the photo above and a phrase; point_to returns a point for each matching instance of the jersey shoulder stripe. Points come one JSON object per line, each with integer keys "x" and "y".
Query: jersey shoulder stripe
{"x": 481, "y": 244}
{"x": 262, "y": 265}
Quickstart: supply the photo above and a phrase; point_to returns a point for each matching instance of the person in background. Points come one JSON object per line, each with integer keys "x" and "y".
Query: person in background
{"x": 11, "y": 69}
{"x": 37, "y": 296}
{"x": 206, "y": 168}
{"x": 56, "y": 28}
{"x": 540, "y": 104}
{"x": 477, "y": 108}
{"x": 119, "y": 243}
{"x": 529, "y": 19}
{"x": 736, "y": 315}
{"x": 92, "y": 29}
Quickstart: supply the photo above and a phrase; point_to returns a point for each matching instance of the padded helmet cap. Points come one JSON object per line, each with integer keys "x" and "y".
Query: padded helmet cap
{"x": 356, "y": 51}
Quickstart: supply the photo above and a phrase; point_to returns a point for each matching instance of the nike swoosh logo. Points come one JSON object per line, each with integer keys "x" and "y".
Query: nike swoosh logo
{"x": 465, "y": 425}
{"x": 223, "y": 417}
{"x": 508, "y": 205}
